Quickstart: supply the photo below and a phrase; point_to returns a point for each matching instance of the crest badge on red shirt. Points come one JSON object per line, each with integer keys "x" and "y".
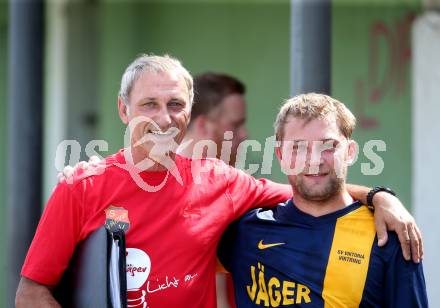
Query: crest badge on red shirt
{"x": 116, "y": 218}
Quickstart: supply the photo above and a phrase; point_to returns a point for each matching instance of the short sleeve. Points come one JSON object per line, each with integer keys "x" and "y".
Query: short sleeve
{"x": 404, "y": 283}
{"x": 55, "y": 238}
{"x": 247, "y": 192}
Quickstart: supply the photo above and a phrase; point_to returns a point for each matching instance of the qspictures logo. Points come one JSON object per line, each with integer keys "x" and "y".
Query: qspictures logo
{"x": 162, "y": 146}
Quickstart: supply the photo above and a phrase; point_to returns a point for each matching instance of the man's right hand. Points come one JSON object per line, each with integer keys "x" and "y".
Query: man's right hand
{"x": 35, "y": 295}
{"x": 69, "y": 171}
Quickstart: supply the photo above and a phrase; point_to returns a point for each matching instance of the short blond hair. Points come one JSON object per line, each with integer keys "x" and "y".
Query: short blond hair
{"x": 313, "y": 106}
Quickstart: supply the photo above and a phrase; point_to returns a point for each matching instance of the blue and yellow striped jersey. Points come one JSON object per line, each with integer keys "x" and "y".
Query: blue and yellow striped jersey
{"x": 285, "y": 257}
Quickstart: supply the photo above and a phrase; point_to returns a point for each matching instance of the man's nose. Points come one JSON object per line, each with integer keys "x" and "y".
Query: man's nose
{"x": 163, "y": 119}
{"x": 314, "y": 156}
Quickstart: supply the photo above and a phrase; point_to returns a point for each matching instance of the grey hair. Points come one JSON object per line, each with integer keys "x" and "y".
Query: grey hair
{"x": 156, "y": 64}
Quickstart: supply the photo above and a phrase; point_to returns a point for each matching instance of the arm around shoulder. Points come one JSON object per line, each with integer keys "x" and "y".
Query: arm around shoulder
{"x": 33, "y": 294}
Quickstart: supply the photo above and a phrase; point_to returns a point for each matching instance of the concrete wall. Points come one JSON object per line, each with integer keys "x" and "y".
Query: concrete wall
{"x": 426, "y": 110}
{"x": 3, "y": 125}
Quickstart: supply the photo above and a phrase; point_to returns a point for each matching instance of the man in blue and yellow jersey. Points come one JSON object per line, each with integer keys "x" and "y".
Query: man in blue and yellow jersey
{"x": 319, "y": 249}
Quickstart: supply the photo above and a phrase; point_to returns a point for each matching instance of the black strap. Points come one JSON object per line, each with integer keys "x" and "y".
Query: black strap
{"x": 119, "y": 235}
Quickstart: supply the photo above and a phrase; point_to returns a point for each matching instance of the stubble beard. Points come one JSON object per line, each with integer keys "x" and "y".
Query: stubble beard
{"x": 311, "y": 193}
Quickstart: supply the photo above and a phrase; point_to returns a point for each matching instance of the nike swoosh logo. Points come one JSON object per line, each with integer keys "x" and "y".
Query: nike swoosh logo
{"x": 265, "y": 246}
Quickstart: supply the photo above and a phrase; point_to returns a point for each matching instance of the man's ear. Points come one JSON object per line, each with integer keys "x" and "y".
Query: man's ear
{"x": 123, "y": 111}
{"x": 352, "y": 152}
{"x": 278, "y": 150}
{"x": 201, "y": 125}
